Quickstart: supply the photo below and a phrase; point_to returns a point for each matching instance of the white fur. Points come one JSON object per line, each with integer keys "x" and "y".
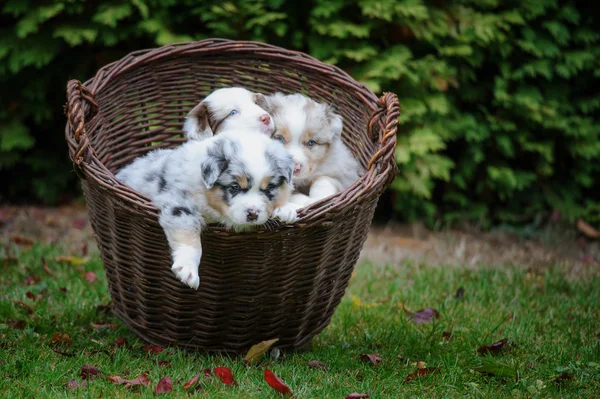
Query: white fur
{"x": 336, "y": 170}
{"x": 219, "y": 104}
{"x": 177, "y": 180}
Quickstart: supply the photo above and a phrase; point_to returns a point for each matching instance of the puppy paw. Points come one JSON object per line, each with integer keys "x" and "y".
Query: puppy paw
{"x": 185, "y": 266}
{"x": 287, "y": 213}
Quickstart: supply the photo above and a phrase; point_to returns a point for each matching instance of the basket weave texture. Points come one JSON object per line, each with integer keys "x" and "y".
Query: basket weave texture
{"x": 283, "y": 282}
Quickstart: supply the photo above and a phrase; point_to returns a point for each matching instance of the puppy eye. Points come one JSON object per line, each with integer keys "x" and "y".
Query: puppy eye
{"x": 233, "y": 112}
{"x": 280, "y": 138}
{"x": 311, "y": 143}
{"x": 235, "y": 187}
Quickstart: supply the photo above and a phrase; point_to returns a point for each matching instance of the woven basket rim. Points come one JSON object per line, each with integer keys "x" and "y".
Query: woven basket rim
{"x": 376, "y": 177}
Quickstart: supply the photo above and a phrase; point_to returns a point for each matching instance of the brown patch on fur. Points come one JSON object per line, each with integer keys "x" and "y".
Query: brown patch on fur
{"x": 214, "y": 199}
{"x": 265, "y": 182}
{"x": 316, "y": 154}
{"x": 186, "y": 238}
{"x": 202, "y": 114}
{"x": 283, "y": 197}
{"x": 284, "y": 132}
{"x": 242, "y": 181}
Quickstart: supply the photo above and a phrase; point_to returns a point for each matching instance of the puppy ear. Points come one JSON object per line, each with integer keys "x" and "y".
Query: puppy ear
{"x": 218, "y": 156}
{"x": 335, "y": 121}
{"x": 281, "y": 161}
{"x": 197, "y": 126}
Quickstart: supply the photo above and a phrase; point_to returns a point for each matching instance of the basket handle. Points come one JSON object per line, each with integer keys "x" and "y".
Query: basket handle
{"x": 80, "y": 104}
{"x": 388, "y": 103}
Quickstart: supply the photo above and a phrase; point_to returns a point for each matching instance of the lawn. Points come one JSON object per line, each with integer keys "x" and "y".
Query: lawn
{"x": 50, "y": 328}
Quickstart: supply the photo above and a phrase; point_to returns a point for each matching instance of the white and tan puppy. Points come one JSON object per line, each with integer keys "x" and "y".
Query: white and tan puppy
{"x": 239, "y": 178}
{"x": 227, "y": 109}
{"x": 311, "y": 132}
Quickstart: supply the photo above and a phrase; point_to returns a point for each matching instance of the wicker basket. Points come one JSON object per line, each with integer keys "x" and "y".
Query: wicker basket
{"x": 270, "y": 283}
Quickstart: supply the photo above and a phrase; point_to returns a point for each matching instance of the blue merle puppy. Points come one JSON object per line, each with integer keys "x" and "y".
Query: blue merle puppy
{"x": 238, "y": 179}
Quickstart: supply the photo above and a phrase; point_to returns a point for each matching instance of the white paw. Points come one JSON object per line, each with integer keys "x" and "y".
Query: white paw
{"x": 185, "y": 266}
{"x": 287, "y": 213}
{"x": 300, "y": 199}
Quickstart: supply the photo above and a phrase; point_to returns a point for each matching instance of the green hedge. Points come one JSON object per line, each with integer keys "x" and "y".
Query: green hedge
{"x": 500, "y": 98}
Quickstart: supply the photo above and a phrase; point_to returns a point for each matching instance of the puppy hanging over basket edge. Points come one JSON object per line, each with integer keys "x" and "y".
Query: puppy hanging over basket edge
{"x": 282, "y": 282}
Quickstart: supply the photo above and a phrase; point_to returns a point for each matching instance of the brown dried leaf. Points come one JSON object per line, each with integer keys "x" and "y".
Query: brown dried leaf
{"x": 103, "y": 324}
{"x": 315, "y": 364}
{"x": 141, "y": 380}
{"x": 356, "y": 395}
{"x": 421, "y": 365}
{"x": 30, "y": 295}
{"x": 20, "y": 240}
{"x": 421, "y": 373}
{"x": 257, "y": 351}
{"x": 493, "y": 348}
{"x": 165, "y": 385}
{"x": 31, "y": 280}
{"x": 18, "y": 324}
{"x": 60, "y": 338}
{"x": 89, "y": 372}
{"x": 423, "y": 315}
{"x": 191, "y": 382}
{"x": 587, "y": 230}
{"x": 563, "y": 377}
{"x": 121, "y": 342}
{"x": 374, "y": 358}
{"x": 447, "y": 335}
{"x": 153, "y": 348}
{"x": 46, "y": 267}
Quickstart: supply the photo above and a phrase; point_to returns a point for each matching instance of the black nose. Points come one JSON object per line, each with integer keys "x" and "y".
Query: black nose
{"x": 252, "y": 215}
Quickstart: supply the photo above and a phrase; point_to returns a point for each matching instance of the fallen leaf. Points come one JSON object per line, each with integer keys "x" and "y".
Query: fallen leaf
{"x": 563, "y": 377}
{"x": 374, "y": 358}
{"x": 421, "y": 365}
{"x": 421, "y": 373}
{"x": 60, "y": 338}
{"x": 164, "y": 363}
{"x": 67, "y": 354}
{"x": 78, "y": 224}
{"x": 276, "y": 383}
{"x": 20, "y": 240}
{"x": 74, "y": 384}
{"x": 225, "y": 375}
{"x": 63, "y": 290}
{"x": 84, "y": 249}
{"x": 356, "y": 395}
{"x": 141, "y": 380}
{"x": 18, "y": 324}
{"x": 447, "y": 335}
{"x": 26, "y": 306}
{"x": 257, "y": 351}
{"x": 493, "y": 348}
{"x": 73, "y": 260}
{"x": 46, "y": 267}
{"x": 587, "y": 230}
{"x": 121, "y": 342}
{"x": 88, "y": 371}
{"x": 208, "y": 373}
{"x": 31, "y": 280}
{"x": 191, "y": 382}
{"x": 103, "y": 324}
{"x": 153, "y": 348}
{"x": 423, "y": 315}
{"x": 90, "y": 276}
{"x": 165, "y": 385}
{"x": 460, "y": 292}
{"x": 30, "y": 295}
{"x": 315, "y": 364}
{"x": 496, "y": 369}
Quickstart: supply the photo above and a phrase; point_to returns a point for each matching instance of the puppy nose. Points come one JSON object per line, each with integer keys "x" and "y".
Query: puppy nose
{"x": 251, "y": 214}
{"x": 297, "y": 168}
{"x": 265, "y": 118}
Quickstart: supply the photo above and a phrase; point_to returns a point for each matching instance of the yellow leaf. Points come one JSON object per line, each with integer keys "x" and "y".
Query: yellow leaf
{"x": 74, "y": 260}
{"x": 258, "y": 350}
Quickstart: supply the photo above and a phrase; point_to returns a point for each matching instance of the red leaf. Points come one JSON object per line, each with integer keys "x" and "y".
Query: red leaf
{"x": 276, "y": 383}
{"x": 356, "y": 395}
{"x": 208, "y": 373}
{"x": 30, "y": 295}
{"x": 315, "y": 364}
{"x": 121, "y": 342}
{"x": 103, "y": 324}
{"x": 141, "y": 380}
{"x": 26, "y": 306}
{"x": 46, "y": 267}
{"x": 20, "y": 240}
{"x": 31, "y": 280}
{"x": 423, "y": 315}
{"x": 18, "y": 324}
{"x": 421, "y": 373}
{"x": 78, "y": 223}
{"x": 91, "y": 277}
{"x": 191, "y": 382}
{"x": 225, "y": 375}
{"x": 493, "y": 348}
{"x": 165, "y": 385}
{"x": 88, "y": 371}
{"x": 374, "y": 358}
{"x": 153, "y": 348}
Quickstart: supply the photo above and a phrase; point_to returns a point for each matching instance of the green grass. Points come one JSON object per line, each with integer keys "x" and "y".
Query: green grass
{"x": 550, "y": 322}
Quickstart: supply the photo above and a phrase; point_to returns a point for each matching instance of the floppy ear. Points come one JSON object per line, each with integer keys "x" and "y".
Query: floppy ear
{"x": 281, "y": 161}
{"x": 262, "y": 101}
{"x": 196, "y": 126}
{"x": 335, "y": 121}
{"x": 218, "y": 155}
